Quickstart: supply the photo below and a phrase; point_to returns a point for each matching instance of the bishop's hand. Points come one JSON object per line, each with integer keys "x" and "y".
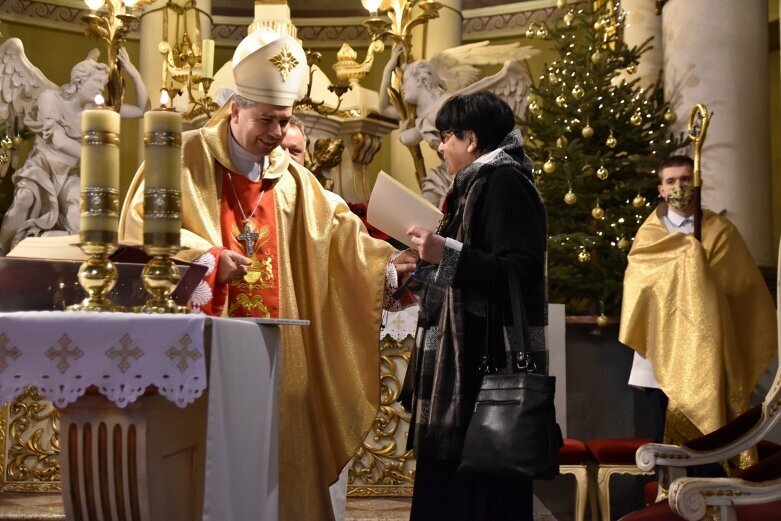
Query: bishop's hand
{"x": 231, "y": 266}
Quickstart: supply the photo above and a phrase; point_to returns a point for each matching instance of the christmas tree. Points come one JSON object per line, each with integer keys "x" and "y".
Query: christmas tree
{"x": 596, "y": 137}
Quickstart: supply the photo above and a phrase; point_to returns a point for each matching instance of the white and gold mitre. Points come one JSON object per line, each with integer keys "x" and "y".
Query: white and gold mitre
{"x": 269, "y": 68}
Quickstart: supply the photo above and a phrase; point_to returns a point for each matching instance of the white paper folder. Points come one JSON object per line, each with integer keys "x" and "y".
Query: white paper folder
{"x": 393, "y": 208}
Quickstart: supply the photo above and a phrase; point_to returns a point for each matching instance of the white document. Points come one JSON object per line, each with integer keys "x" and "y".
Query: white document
{"x": 393, "y": 208}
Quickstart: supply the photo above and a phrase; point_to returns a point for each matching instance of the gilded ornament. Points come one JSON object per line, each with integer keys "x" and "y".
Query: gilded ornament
{"x": 534, "y": 107}
{"x": 584, "y": 256}
{"x": 570, "y": 198}
{"x": 561, "y": 4}
{"x": 530, "y": 98}
{"x": 631, "y": 68}
{"x": 587, "y": 131}
{"x": 669, "y": 116}
{"x": 284, "y": 62}
{"x": 624, "y": 244}
{"x": 562, "y": 142}
{"x": 597, "y": 212}
{"x": 542, "y": 32}
{"x": 587, "y": 170}
{"x": 596, "y": 57}
{"x": 602, "y": 174}
{"x": 602, "y": 320}
{"x": 636, "y": 119}
{"x": 611, "y": 141}
{"x": 638, "y": 201}
{"x": 553, "y": 78}
{"x": 569, "y": 18}
{"x": 578, "y": 92}
{"x": 531, "y": 32}
{"x": 561, "y": 101}
{"x": 4, "y": 157}
{"x": 598, "y": 25}
{"x": 6, "y": 142}
{"x": 549, "y": 167}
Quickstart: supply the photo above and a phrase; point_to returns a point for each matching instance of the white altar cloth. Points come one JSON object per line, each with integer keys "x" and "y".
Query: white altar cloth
{"x": 121, "y": 354}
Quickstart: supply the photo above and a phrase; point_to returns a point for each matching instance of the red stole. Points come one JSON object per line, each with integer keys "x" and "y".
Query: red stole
{"x": 257, "y": 294}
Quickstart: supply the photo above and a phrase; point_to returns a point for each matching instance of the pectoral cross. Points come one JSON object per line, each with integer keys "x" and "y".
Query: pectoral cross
{"x": 249, "y": 237}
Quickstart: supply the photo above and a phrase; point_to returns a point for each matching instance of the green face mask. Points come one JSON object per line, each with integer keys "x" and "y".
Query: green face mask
{"x": 680, "y": 197}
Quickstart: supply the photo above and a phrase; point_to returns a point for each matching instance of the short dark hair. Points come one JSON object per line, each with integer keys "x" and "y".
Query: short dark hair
{"x": 672, "y": 161}
{"x": 484, "y": 113}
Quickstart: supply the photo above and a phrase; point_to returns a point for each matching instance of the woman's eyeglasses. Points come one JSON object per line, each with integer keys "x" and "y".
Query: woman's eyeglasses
{"x": 445, "y": 135}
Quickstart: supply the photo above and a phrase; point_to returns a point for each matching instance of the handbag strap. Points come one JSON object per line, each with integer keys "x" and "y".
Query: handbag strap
{"x": 521, "y": 355}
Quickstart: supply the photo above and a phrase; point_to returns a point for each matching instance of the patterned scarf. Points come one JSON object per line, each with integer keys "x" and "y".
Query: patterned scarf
{"x": 436, "y": 373}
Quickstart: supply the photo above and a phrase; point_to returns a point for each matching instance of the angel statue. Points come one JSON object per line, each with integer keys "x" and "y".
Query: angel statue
{"x": 427, "y": 84}
{"x": 46, "y": 187}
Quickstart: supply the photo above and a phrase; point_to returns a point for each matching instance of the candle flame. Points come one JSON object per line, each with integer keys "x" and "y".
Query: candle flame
{"x": 165, "y": 99}
{"x": 99, "y": 101}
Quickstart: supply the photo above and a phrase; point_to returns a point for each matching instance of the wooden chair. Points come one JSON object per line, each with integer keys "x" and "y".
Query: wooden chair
{"x": 753, "y": 494}
{"x": 574, "y": 458}
{"x": 613, "y": 456}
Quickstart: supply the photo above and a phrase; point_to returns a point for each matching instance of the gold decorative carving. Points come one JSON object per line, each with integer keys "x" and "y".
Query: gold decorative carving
{"x": 29, "y": 445}
{"x": 383, "y": 466}
{"x": 284, "y": 62}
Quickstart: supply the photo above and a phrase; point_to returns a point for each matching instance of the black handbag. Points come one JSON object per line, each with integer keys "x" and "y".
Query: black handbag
{"x": 513, "y": 430}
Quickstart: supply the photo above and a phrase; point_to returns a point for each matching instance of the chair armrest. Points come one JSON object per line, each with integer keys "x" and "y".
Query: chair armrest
{"x": 690, "y": 497}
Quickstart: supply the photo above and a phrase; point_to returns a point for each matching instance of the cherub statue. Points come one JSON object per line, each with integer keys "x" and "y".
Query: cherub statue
{"x": 427, "y": 84}
{"x": 47, "y": 186}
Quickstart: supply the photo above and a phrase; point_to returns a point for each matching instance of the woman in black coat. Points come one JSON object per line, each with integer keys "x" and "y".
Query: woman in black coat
{"x": 494, "y": 223}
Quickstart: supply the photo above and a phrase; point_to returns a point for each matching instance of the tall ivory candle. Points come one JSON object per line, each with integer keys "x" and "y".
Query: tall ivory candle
{"x": 99, "y": 216}
{"x": 207, "y": 58}
{"x": 162, "y": 174}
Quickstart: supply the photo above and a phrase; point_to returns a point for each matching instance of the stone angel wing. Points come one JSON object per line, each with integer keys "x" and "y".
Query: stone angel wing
{"x": 512, "y": 83}
{"x": 458, "y": 67}
{"x": 21, "y": 83}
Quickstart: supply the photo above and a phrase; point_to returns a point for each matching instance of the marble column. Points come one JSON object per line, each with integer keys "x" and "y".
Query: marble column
{"x": 642, "y": 23}
{"x": 715, "y": 52}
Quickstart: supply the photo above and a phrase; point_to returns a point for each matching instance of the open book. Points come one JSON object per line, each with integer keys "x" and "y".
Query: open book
{"x": 393, "y": 208}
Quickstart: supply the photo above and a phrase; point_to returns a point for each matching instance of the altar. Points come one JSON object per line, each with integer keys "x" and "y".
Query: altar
{"x": 148, "y": 403}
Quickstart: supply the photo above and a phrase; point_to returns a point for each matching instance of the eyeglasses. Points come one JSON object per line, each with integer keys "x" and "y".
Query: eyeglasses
{"x": 445, "y": 135}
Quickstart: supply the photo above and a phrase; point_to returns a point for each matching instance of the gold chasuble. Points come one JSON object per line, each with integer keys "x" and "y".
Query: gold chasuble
{"x": 328, "y": 271}
{"x": 703, "y": 316}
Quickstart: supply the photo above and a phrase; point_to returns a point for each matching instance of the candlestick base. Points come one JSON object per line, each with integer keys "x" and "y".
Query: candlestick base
{"x": 97, "y": 275}
{"x": 160, "y": 276}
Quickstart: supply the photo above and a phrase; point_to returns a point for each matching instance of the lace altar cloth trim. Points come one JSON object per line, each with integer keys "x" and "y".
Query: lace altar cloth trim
{"x": 400, "y": 324}
{"x": 63, "y": 353}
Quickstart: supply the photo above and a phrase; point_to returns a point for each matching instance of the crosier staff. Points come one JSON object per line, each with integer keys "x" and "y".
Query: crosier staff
{"x": 698, "y": 128}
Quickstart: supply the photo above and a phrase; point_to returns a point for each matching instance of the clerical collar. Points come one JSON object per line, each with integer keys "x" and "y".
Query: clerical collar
{"x": 250, "y": 166}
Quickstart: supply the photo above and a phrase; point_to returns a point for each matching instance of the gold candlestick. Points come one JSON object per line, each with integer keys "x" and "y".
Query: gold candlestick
{"x": 99, "y": 206}
{"x": 162, "y": 206}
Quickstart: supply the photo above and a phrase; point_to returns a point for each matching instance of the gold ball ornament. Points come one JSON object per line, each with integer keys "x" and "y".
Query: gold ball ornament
{"x": 4, "y": 157}
{"x": 17, "y": 140}
{"x": 598, "y": 25}
{"x": 624, "y": 244}
{"x": 638, "y": 201}
{"x": 631, "y": 68}
{"x": 596, "y": 57}
{"x": 553, "y": 78}
{"x": 561, "y": 4}
{"x": 587, "y": 131}
{"x": 587, "y": 170}
{"x": 531, "y": 32}
{"x": 602, "y": 174}
{"x": 570, "y": 198}
{"x": 6, "y": 142}
{"x": 584, "y": 256}
{"x": 534, "y": 107}
{"x": 611, "y": 141}
{"x": 602, "y": 320}
{"x": 542, "y": 32}
{"x": 636, "y": 119}
{"x": 562, "y": 142}
{"x": 561, "y": 101}
{"x": 597, "y": 213}
{"x": 578, "y": 92}
{"x": 549, "y": 166}
{"x": 669, "y": 116}
{"x": 569, "y": 18}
